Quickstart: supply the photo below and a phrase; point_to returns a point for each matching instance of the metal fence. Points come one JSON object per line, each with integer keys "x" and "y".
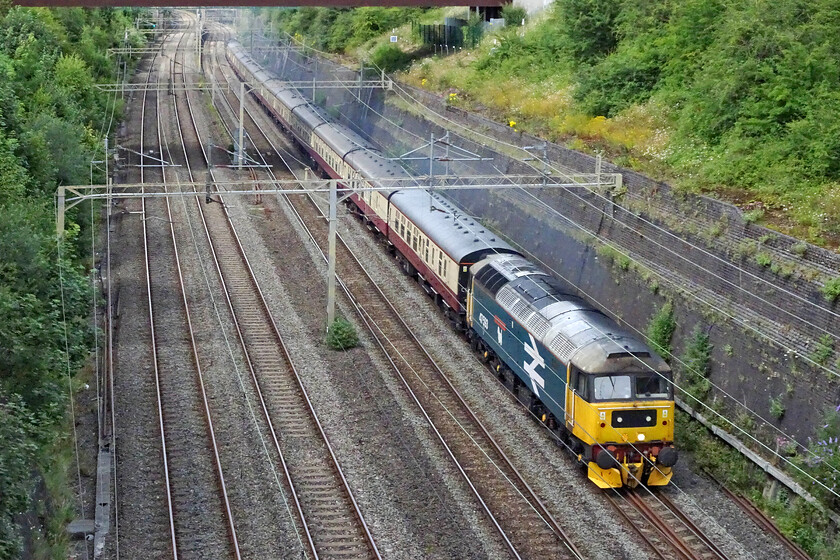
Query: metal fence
{"x": 447, "y": 36}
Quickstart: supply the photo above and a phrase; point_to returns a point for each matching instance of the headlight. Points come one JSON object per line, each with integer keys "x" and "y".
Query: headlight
{"x": 640, "y": 437}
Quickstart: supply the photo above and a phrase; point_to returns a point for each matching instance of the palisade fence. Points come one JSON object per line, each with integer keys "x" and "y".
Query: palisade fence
{"x": 447, "y": 38}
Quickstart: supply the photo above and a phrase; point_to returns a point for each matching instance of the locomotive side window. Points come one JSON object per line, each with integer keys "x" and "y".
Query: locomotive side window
{"x": 579, "y": 380}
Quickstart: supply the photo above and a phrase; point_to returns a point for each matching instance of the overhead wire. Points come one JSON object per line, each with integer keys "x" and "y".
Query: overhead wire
{"x": 440, "y": 499}
{"x": 415, "y": 135}
{"x": 630, "y": 256}
{"x": 727, "y": 420}
{"x": 662, "y": 230}
{"x": 446, "y": 409}
{"x": 230, "y": 352}
{"x": 621, "y": 251}
{"x": 571, "y": 222}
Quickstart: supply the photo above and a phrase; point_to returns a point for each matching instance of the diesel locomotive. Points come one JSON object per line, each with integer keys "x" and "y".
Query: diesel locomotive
{"x": 606, "y": 393}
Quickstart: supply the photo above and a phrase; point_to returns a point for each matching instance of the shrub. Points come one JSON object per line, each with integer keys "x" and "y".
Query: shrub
{"x": 513, "y": 15}
{"x": 823, "y": 461}
{"x": 799, "y": 248}
{"x": 752, "y": 216}
{"x": 823, "y": 349}
{"x": 390, "y": 58}
{"x": 661, "y": 329}
{"x": 777, "y": 409}
{"x": 342, "y": 335}
{"x": 763, "y": 259}
{"x": 618, "y": 258}
{"x": 697, "y": 361}
{"x": 831, "y": 289}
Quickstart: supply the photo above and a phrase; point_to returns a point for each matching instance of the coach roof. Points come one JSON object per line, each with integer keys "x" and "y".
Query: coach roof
{"x": 457, "y": 233}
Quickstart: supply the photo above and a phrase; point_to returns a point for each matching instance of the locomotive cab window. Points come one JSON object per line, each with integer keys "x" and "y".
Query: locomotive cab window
{"x": 612, "y": 387}
{"x": 653, "y": 386}
{"x": 647, "y": 385}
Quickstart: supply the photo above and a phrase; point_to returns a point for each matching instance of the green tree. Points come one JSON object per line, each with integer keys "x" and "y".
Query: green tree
{"x": 661, "y": 329}
{"x": 589, "y": 27}
{"x": 14, "y": 180}
{"x": 17, "y": 452}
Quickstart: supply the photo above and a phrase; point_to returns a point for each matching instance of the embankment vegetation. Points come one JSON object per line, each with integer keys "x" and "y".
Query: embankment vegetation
{"x": 52, "y": 124}
{"x": 740, "y": 99}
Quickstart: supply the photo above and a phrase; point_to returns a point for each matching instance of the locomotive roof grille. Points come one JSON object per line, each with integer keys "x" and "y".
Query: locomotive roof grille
{"x": 567, "y": 325}
{"x": 562, "y": 347}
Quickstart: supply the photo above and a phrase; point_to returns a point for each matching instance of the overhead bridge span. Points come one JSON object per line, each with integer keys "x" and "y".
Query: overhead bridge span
{"x": 249, "y": 3}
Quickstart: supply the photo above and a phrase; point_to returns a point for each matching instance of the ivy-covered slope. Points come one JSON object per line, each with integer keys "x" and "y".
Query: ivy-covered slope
{"x": 52, "y": 122}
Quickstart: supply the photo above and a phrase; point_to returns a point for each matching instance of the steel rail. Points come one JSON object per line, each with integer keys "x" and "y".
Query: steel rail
{"x": 249, "y": 362}
{"x": 231, "y": 526}
{"x": 690, "y": 526}
{"x": 281, "y": 344}
{"x": 360, "y": 517}
{"x": 167, "y": 478}
{"x": 532, "y": 499}
{"x": 663, "y": 524}
{"x": 298, "y": 379}
{"x": 763, "y": 521}
{"x": 302, "y": 222}
{"x": 109, "y": 321}
{"x": 652, "y": 517}
{"x": 241, "y": 335}
{"x": 644, "y": 530}
{"x": 226, "y": 292}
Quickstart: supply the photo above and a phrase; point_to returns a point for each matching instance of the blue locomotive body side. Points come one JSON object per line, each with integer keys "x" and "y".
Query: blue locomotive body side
{"x": 526, "y": 356}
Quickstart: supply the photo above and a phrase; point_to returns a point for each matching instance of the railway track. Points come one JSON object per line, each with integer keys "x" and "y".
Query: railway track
{"x": 331, "y": 524}
{"x": 147, "y": 512}
{"x": 663, "y": 526}
{"x": 329, "y": 519}
{"x": 762, "y": 521}
{"x": 193, "y": 473}
{"x": 671, "y": 535}
{"x": 520, "y": 517}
